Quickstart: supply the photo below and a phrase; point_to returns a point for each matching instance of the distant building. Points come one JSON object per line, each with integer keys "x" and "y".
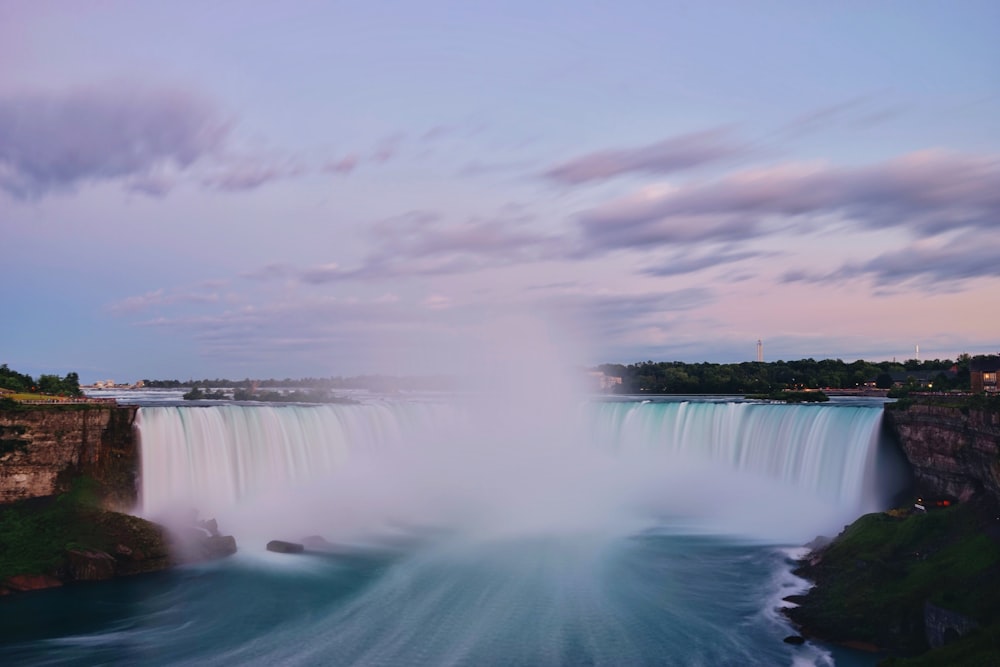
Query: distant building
{"x": 922, "y": 379}
{"x": 983, "y": 374}
{"x": 604, "y": 382}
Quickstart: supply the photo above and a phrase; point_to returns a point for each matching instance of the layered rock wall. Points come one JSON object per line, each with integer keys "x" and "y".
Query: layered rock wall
{"x": 43, "y": 449}
{"x": 953, "y": 450}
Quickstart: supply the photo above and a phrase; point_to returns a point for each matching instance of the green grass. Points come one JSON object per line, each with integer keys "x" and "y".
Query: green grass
{"x": 35, "y": 534}
{"x": 874, "y": 579}
{"x": 980, "y": 648}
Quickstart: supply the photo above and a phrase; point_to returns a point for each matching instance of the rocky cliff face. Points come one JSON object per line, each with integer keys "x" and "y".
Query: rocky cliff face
{"x": 953, "y": 450}
{"x": 43, "y": 449}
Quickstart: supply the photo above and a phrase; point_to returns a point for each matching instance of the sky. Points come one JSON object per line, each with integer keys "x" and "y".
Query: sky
{"x": 314, "y": 189}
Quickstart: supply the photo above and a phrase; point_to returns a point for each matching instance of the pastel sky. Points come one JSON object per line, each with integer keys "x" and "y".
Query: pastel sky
{"x": 264, "y": 189}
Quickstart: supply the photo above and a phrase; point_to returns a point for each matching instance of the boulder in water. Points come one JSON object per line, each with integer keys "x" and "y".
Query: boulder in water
{"x": 212, "y": 526}
{"x": 282, "y": 547}
{"x": 218, "y": 546}
{"x": 796, "y": 640}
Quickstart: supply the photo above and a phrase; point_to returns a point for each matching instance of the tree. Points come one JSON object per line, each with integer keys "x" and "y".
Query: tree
{"x": 883, "y": 381}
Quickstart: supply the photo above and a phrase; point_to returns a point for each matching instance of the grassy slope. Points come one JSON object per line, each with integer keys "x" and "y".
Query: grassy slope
{"x": 35, "y": 534}
{"x": 873, "y": 580}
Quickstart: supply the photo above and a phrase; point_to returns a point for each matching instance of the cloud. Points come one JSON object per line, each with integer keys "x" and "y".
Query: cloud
{"x": 612, "y": 315}
{"x": 302, "y": 330}
{"x": 924, "y": 193}
{"x": 273, "y": 271}
{"x": 387, "y": 149}
{"x": 422, "y": 243}
{"x": 937, "y": 264}
{"x": 858, "y": 112}
{"x": 248, "y": 173}
{"x": 686, "y": 263}
{"x": 344, "y": 165}
{"x": 670, "y": 155}
{"x": 323, "y": 273}
{"x": 52, "y": 142}
{"x": 203, "y": 294}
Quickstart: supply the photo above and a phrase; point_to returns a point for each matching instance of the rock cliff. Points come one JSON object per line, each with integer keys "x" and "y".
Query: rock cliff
{"x": 954, "y": 449}
{"x": 43, "y": 449}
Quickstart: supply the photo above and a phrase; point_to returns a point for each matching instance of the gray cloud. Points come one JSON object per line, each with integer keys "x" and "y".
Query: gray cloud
{"x": 934, "y": 264}
{"x": 250, "y": 172}
{"x": 50, "y": 142}
{"x": 612, "y": 315}
{"x": 344, "y": 165}
{"x": 858, "y": 112}
{"x": 685, "y": 263}
{"x": 204, "y": 294}
{"x": 422, "y": 243}
{"x": 664, "y": 157}
{"x": 926, "y": 193}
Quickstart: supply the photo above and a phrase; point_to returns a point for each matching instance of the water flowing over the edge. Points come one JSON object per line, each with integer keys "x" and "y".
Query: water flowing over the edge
{"x": 471, "y": 533}
{"x": 808, "y": 468}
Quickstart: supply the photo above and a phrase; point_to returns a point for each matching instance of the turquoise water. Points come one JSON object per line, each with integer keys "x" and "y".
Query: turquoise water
{"x": 651, "y": 599}
{"x": 654, "y": 535}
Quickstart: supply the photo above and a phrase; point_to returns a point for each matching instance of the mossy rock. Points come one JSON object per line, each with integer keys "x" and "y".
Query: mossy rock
{"x": 873, "y": 580}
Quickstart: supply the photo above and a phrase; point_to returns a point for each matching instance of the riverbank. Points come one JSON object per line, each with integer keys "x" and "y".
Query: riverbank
{"x": 56, "y": 540}
{"x": 906, "y": 582}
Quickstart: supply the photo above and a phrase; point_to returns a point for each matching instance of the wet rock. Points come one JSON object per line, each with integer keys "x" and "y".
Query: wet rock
{"x": 219, "y": 546}
{"x": 796, "y": 640}
{"x": 90, "y": 565}
{"x": 212, "y": 526}
{"x": 282, "y": 547}
{"x": 28, "y": 582}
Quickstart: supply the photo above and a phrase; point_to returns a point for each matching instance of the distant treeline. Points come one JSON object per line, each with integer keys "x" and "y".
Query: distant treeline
{"x": 45, "y": 384}
{"x": 243, "y": 394}
{"x": 665, "y": 377}
{"x": 371, "y": 382}
{"x": 749, "y": 377}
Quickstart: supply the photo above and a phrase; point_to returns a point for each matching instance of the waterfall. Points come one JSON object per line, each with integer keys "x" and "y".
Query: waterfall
{"x": 831, "y": 451}
{"x": 424, "y": 461}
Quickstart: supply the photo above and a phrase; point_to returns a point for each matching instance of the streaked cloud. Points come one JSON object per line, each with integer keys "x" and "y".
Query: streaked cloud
{"x": 687, "y": 263}
{"x": 663, "y": 157}
{"x": 58, "y": 141}
{"x": 935, "y": 263}
{"x": 924, "y": 193}
{"x": 163, "y": 297}
{"x": 251, "y": 172}
{"x": 424, "y": 243}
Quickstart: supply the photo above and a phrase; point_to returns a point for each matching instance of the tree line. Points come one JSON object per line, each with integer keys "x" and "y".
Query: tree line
{"x": 45, "y": 384}
{"x": 370, "y": 382}
{"x": 751, "y": 377}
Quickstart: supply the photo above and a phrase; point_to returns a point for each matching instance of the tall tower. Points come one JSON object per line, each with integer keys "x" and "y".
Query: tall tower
{"x": 760, "y": 350}
{"x": 917, "y": 352}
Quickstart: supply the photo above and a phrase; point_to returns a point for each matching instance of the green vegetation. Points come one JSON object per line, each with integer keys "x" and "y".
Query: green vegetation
{"x": 270, "y": 396}
{"x": 371, "y": 382}
{"x": 981, "y": 648}
{"x": 873, "y": 580}
{"x": 676, "y": 377}
{"x": 35, "y": 534}
{"x": 979, "y": 402}
{"x": 48, "y": 385}
{"x": 196, "y": 394}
